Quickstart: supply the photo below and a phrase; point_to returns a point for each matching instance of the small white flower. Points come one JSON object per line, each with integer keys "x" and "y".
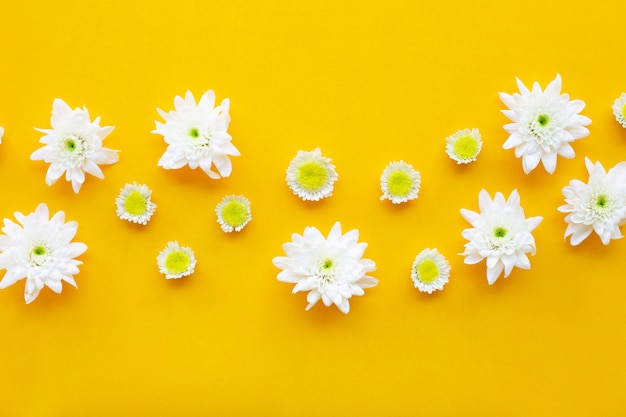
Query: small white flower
{"x": 197, "y": 135}
{"x": 544, "y": 124}
{"x": 74, "y": 145}
{"x": 598, "y": 206}
{"x": 619, "y": 109}
{"x": 311, "y": 176}
{"x": 464, "y": 146}
{"x": 430, "y": 271}
{"x": 176, "y": 261}
{"x": 399, "y": 182}
{"x": 1, "y": 133}
{"x": 329, "y": 268}
{"x": 134, "y": 203}
{"x": 501, "y": 234}
{"x": 233, "y": 213}
{"x": 40, "y": 250}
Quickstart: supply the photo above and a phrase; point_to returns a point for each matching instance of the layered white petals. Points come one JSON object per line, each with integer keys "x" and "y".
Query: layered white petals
{"x": 598, "y": 206}
{"x": 544, "y": 124}
{"x": 430, "y": 271}
{"x": 41, "y": 250}
{"x": 400, "y": 182}
{"x": 73, "y": 146}
{"x": 501, "y": 234}
{"x": 311, "y": 176}
{"x": 197, "y": 135}
{"x": 331, "y": 269}
{"x": 619, "y": 110}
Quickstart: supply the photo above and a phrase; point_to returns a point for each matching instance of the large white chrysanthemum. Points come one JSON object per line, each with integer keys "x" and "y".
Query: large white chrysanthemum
{"x": 196, "y": 135}
{"x": 500, "y": 233}
{"x": 544, "y": 124}
{"x": 329, "y": 268}
{"x": 74, "y": 145}
{"x": 40, "y": 250}
{"x": 598, "y": 206}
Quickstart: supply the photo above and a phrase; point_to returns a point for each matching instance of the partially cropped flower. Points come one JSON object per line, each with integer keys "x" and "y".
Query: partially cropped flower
{"x": 544, "y": 124}
{"x": 430, "y": 271}
{"x": 135, "y": 204}
{"x": 500, "y": 233}
{"x": 619, "y": 109}
{"x": 330, "y": 269}
{"x": 399, "y": 182}
{"x": 176, "y": 261}
{"x": 1, "y": 133}
{"x": 197, "y": 135}
{"x": 311, "y": 176}
{"x": 233, "y": 213}
{"x": 464, "y": 146}
{"x": 41, "y": 250}
{"x": 597, "y": 206}
{"x": 74, "y": 145}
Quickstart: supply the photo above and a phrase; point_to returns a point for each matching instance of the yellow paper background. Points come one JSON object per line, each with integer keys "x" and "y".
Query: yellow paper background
{"x": 368, "y": 83}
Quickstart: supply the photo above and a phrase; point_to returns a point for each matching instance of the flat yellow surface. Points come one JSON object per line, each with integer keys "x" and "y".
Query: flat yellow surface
{"x": 367, "y": 82}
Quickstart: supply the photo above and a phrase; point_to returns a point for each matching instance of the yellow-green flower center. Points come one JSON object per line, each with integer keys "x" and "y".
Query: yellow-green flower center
{"x": 427, "y": 271}
{"x": 312, "y": 175}
{"x": 499, "y": 232}
{"x": 602, "y": 201}
{"x": 624, "y": 110}
{"x": 543, "y": 119}
{"x": 135, "y": 203}
{"x": 177, "y": 262}
{"x": 194, "y": 133}
{"x": 70, "y": 145}
{"x": 466, "y": 147}
{"x": 234, "y": 213}
{"x": 399, "y": 183}
{"x": 328, "y": 263}
{"x": 39, "y": 250}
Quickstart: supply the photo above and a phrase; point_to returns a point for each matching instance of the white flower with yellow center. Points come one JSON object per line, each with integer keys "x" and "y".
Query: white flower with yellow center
{"x": 74, "y": 145}
{"x": 464, "y": 146}
{"x": 597, "y": 206}
{"x": 311, "y": 176}
{"x": 176, "y": 261}
{"x": 134, "y": 203}
{"x": 330, "y": 269}
{"x": 233, "y": 213}
{"x": 619, "y": 109}
{"x": 41, "y": 250}
{"x": 544, "y": 124}
{"x": 430, "y": 271}
{"x": 500, "y": 233}
{"x": 197, "y": 135}
{"x": 399, "y": 182}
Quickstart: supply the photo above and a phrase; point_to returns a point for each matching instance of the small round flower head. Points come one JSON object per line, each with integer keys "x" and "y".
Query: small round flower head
{"x": 311, "y": 176}
{"x": 598, "y": 206}
{"x": 233, "y": 213}
{"x": 399, "y": 182}
{"x": 464, "y": 146}
{"x": 619, "y": 109}
{"x": 176, "y": 261}
{"x": 430, "y": 271}
{"x": 73, "y": 146}
{"x": 134, "y": 203}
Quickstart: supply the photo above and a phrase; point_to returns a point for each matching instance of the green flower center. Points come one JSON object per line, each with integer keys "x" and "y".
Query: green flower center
{"x": 177, "y": 262}
{"x": 399, "y": 183}
{"x": 543, "y": 120}
{"x": 70, "y": 145}
{"x": 602, "y": 201}
{"x": 234, "y": 213}
{"x": 427, "y": 271}
{"x": 499, "y": 232}
{"x": 38, "y": 255}
{"x": 328, "y": 263}
{"x": 194, "y": 133}
{"x": 466, "y": 147}
{"x": 135, "y": 204}
{"x": 312, "y": 175}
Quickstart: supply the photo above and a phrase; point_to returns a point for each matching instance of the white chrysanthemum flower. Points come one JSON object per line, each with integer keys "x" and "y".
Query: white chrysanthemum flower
{"x": 464, "y": 146}
{"x": 233, "y": 213}
{"x": 544, "y": 124}
{"x": 329, "y": 268}
{"x": 311, "y": 176}
{"x": 40, "y": 250}
{"x": 135, "y": 204}
{"x": 399, "y": 182}
{"x": 74, "y": 145}
{"x": 501, "y": 234}
{"x": 619, "y": 109}
{"x": 176, "y": 261}
{"x": 197, "y": 135}
{"x": 430, "y": 271}
{"x": 598, "y": 206}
